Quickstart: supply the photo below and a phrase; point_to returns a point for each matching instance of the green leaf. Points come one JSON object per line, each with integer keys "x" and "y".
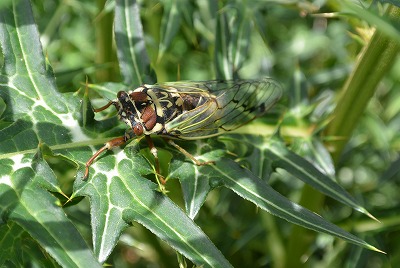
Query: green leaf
{"x": 11, "y": 237}
{"x": 195, "y": 184}
{"x": 121, "y": 195}
{"x": 387, "y": 24}
{"x": 38, "y": 113}
{"x": 222, "y": 59}
{"x": 170, "y": 23}
{"x": 2, "y": 107}
{"x": 3, "y": 123}
{"x": 231, "y": 175}
{"x": 279, "y": 156}
{"x": 302, "y": 169}
{"x": 14, "y": 237}
{"x": 249, "y": 187}
{"x": 205, "y": 17}
{"x": 231, "y": 44}
{"x": 133, "y": 59}
{"x": 5, "y": 3}
{"x": 27, "y": 203}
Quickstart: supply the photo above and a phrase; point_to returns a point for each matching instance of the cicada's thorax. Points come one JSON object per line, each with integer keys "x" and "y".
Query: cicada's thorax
{"x": 147, "y": 109}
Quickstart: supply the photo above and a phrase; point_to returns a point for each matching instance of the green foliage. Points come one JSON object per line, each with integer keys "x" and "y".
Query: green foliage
{"x": 48, "y": 131}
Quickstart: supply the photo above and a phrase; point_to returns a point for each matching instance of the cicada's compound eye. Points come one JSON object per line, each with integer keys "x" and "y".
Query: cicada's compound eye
{"x": 122, "y": 96}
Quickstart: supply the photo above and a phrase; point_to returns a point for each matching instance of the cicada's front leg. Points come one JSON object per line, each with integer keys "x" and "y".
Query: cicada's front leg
{"x": 109, "y": 145}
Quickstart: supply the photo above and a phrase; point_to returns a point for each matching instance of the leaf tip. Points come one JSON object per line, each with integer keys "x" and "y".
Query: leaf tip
{"x": 364, "y": 211}
{"x": 376, "y": 249}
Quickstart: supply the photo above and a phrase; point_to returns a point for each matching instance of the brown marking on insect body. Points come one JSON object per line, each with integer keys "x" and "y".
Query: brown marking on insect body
{"x": 190, "y": 102}
{"x": 147, "y": 113}
{"x": 151, "y": 123}
{"x": 149, "y": 117}
{"x": 138, "y": 96}
{"x": 138, "y": 130}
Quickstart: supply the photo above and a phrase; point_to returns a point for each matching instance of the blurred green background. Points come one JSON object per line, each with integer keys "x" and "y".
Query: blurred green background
{"x": 311, "y": 47}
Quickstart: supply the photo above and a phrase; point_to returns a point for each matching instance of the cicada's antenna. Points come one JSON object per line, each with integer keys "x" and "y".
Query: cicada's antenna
{"x": 102, "y": 108}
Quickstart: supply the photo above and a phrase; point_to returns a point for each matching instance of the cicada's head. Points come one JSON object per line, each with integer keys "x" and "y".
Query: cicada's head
{"x": 135, "y": 108}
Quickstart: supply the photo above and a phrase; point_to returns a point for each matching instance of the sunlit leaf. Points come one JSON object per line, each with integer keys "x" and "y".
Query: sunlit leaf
{"x": 121, "y": 196}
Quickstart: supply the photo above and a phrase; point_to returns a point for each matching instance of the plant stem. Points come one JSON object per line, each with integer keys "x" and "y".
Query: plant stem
{"x": 374, "y": 62}
{"x": 104, "y": 43}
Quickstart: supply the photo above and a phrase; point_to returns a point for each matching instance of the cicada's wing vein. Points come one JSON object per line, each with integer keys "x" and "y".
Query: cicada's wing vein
{"x": 228, "y": 105}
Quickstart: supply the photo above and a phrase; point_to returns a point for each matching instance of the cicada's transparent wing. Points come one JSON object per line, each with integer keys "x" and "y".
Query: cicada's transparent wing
{"x": 227, "y": 105}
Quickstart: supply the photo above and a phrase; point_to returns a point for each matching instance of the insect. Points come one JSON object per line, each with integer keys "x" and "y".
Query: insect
{"x": 189, "y": 111}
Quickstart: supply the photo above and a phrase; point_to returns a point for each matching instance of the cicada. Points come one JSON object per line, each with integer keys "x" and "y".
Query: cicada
{"x": 189, "y": 111}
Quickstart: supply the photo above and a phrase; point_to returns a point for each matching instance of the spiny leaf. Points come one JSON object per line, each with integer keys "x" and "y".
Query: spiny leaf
{"x": 229, "y": 174}
{"x": 279, "y": 156}
{"x": 37, "y": 113}
{"x": 257, "y": 191}
{"x": 121, "y": 195}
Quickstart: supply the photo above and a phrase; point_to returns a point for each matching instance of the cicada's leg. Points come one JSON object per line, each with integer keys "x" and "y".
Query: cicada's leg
{"x": 109, "y": 145}
{"x": 188, "y": 155}
{"x": 154, "y": 152}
